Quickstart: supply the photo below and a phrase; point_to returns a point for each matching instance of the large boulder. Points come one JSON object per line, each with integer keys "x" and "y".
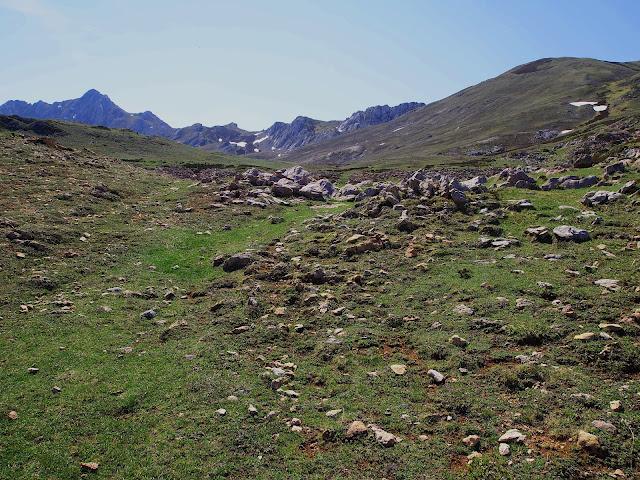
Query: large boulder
{"x": 459, "y": 198}
{"x": 237, "y": 262}
{"x": 567, "y": 233}
{"x": 348, "y": 192}
{"x": 258, "y": 178}
{"x": 629, "y": 188}
{"x": 600, "y": 197}
{"x": 285, "y": 188}
{"x": 475, "y": 184}
{"x": 517, "y": 178}
{"x": 297, "y": 174}
{"x": 318, "y": 190}
{"x": 570, "y": 182}
{"x": 617, "y": 167}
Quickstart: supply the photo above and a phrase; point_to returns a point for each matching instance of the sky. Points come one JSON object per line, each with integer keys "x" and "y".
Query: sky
{"x": 255, "y": 62}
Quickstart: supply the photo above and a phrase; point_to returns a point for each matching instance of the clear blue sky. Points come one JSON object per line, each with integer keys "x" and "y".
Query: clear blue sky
{"x": 255, "y": 62}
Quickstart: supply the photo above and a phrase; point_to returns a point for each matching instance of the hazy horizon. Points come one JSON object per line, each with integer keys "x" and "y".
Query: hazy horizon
{"x": 293, "y": 58}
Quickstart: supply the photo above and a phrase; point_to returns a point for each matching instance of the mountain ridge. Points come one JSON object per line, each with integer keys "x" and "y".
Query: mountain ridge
{"x": 96, "y": 108}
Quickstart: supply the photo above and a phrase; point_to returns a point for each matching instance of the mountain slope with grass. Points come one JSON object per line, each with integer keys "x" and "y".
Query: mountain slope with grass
{"x": 526, "y": 105}
{"x": 450, "y": 323}
{"x": 125, "y": 144}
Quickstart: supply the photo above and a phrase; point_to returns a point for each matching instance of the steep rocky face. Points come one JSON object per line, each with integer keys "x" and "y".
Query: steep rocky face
{"x": 376, "y": 115}
{"x": 302, "y": 131}
{"x": 93, "y": 108}
{"x": 228, "y": 138}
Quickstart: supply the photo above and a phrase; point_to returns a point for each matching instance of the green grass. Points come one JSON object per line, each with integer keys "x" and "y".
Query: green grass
{"x": 150, "y": 412}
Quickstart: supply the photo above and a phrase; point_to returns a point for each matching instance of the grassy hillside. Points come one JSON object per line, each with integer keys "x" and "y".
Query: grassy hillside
{"x": 126, "y": 144}
{"x": 507, "y": 110}
{"x": 259, "y": 373}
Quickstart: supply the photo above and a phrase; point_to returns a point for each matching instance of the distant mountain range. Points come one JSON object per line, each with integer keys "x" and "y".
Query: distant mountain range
{"x": 95, "y": 108}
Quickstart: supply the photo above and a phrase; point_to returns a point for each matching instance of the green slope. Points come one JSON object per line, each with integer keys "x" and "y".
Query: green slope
{"x": 507, "y": 110}
{"x": 125, "y": 144}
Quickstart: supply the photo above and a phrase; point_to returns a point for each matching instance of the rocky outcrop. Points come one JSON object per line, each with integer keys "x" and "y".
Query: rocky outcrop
{"x": 570, "y": 181}
{"x": 376, "y": 115}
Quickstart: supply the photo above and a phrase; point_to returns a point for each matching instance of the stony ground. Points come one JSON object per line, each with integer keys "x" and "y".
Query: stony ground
{"x": 155, "y": 325}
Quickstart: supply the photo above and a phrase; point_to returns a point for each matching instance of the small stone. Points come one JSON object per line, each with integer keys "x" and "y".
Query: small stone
{"x": 12, "y": 415}
{"x": 334, "y": 413}
{"x": 571, "y": 234}
{"x": 615, "y": 406}
{"x": 585, "y": 336}
{"x": 604, "y": 426}
{"x": 512, "y": 435}
{"x": 356, "y": 429}
{"x": 252, "y": 410}
{"x": 56, "y": 389}
{"x": 472, "y": 456}
{"x": 148, "y": 314}
{"x": 20, "y": 255}
{"x": 471, "y": 440}
{"x": 436, "y": 376}
{"x": 398, "y": 369}
{"x": 588, "y": 442}
{"x": 611, "y": 328}
{"x": 463, "y": 310}
{"x": 458, "y": 341}
{"x": 504, "y": 449}
{"x": 609, "y": 284}
{"x": 33, "y": 370}
{"x": 241, "y": 329}
{"x": 221, "y": 411}
{"x": 384, "y": 438}
{"x": 89, "y": 466}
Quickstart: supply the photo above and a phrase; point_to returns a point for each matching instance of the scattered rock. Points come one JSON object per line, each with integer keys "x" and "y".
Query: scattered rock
{"x": 588, "y": 442}
{"x": 90, "y": 466}
{"x": 458, "y": 341}
{"x": 604, "y": 426}
{"x": 512, "y": 436}
{"x": 149, "y": 314}
{"x": 237, "y": 262}
{"x": 571, "y": 234}
{"x": 384, "y": 438}
{"x": 436, "y": 376}
{"x": 471, "y": 441}
{"x": 398, "y": 369}
{"x": 504, "y": 449}
{"x": 356, "y": 429}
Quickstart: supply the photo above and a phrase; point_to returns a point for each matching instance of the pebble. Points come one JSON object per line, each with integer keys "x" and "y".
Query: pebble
{"x": 471, "y": 440}
{"x": 588, "y": 442}
{"x": 437, "y": 377}
{"x": 615, "y": 406}
{"x": 512, "y": 435}
{"x": 604, "y": 426}
{"x": 458, "y": 341}
{"x": 398, "y": 369}
{"x": 356, "y": 429}
{"x": 504, "y": 449}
